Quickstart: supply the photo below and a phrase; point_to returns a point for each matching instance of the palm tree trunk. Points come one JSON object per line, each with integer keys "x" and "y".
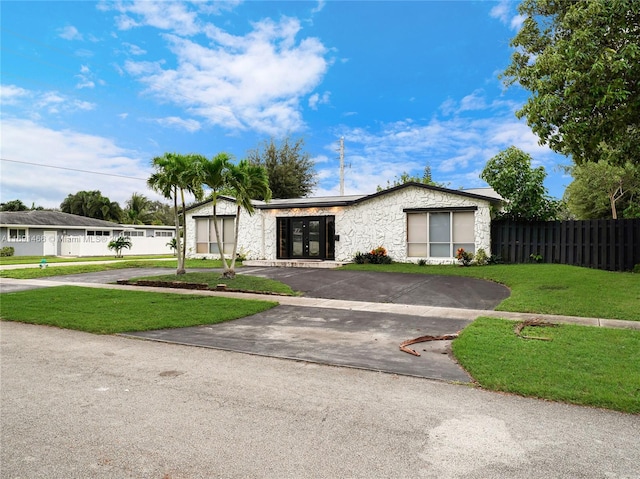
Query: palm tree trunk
{"x": 231, "y": 272}
{"x": 218, "y": 240}
{"x": 180, "y": 269}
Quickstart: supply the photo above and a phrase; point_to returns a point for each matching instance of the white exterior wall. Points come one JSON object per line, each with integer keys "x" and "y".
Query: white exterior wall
{"x": 379, "y": 221}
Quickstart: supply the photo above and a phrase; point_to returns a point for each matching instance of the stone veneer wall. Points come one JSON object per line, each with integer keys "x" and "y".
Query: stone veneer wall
{"x": 379, "y": 221}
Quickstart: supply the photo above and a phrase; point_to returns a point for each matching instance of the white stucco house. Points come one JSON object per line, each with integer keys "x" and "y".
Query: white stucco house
{"x": 53, "y": 233}
{"x": 412, "y": 221}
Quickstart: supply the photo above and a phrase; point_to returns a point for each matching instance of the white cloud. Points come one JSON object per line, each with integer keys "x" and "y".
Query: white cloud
{"x": 179, "y": 123}
{"x": 69, "y": 33}
{"x": 318, "y": 8}
{"x": 174, "y": 16}
{"x": 11, "y": 94}
{"x": 316, "y": 99}
{"x": 67, "y": 150}
{"x": 134, "y": 49}
{"x": 255, "y": 81}
{"x": 456, "y": 149}
{"x": 504, "y": 11}
{"x": 475, "y": 101}
{"x": 85, "y": 78}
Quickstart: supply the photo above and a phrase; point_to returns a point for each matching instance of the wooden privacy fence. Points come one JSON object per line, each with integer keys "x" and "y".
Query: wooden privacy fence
{"x": 604, "y": 244}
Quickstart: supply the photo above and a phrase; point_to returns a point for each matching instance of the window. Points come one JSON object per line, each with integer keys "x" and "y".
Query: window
{"x": 439, "y": 234}
{"x": 163, "y": 234}
{"x": 17, "y": 234}
{"x": 98, "y": 233}
{"x": 206, "y": 242}
{"x": 133, "y": 233}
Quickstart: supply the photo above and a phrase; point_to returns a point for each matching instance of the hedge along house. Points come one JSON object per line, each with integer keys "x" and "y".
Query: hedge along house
{"x": 412, "y": 221}
{"x": 53, "y": 233}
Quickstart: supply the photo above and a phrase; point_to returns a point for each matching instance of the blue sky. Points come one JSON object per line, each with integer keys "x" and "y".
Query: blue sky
{"x": 106, "y": 86}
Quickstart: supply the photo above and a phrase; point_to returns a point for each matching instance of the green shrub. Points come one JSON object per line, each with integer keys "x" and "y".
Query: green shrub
{"x": 464, "y": 257}
{"x": 375, "y": 256}
{"x": 7, "y": 251}
{"x": 422, "y": 262}
{"x": 481, "y": 257}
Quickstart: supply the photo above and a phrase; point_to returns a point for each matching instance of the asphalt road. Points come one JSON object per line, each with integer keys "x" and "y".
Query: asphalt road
{"x": 76, "y": 405}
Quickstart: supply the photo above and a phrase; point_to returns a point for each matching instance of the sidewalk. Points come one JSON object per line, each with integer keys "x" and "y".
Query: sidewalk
{"x": 390, "y": 308}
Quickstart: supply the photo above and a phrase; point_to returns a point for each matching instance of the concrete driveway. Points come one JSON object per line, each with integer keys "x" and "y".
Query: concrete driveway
{"x": 359, "y": 339}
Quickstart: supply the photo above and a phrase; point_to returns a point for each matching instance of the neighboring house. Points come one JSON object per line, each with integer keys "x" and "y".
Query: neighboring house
{"x": 412, "y": 221}
{"x": 53, "y": 233}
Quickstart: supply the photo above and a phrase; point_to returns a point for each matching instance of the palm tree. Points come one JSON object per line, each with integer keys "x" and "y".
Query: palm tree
{"x": 138, "y": 210}
{"x": 249, "y": 181}
{"x": 214, "y": 175}
{"x": 118, "y": 244}
{"x": 174, "y": 175}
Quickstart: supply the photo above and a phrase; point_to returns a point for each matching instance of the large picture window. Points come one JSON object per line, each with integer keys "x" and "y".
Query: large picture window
{"x": 17, "y": 234}
{"x": 439, "y": 234}
{"x": 206, "y": 242}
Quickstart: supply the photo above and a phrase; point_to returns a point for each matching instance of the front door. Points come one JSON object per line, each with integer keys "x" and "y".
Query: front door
{"x": 305, "y": 239}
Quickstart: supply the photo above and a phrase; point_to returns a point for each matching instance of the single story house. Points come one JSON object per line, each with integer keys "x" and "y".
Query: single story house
{"x": 412, "y": 221}
{"x": 53, "y": 233}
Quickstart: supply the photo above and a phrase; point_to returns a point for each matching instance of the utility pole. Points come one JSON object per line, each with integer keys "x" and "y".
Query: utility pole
{"x": 342, "y": 166}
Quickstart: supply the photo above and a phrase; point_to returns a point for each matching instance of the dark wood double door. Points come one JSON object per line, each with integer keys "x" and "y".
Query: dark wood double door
{"x": 306, "y": 237}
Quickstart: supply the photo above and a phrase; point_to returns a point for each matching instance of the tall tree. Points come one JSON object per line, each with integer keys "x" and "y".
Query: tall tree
{"x": 510, "y": 174}
{"x": 137, "y": 210}
{"x": 405, "y": 177}
{"x": 93, "y": 205}
{"x": 215, "y": 175}
{"x": 603, "y": 190}
{"x": 245, "y": 181}
{"x": 290, "y": 169}
{"x": 581, "y": 62}
{"x": 249, "y": 182}
{"x": 161, "y": 213}
{"x": 13, "y": 205}
{"x": 175, "y": 174}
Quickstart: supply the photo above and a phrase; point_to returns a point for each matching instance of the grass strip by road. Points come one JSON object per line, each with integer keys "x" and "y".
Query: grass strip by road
{"x": 7, "y": 260}
{"x": 545, "y": 288}
{"x": 241, "y": 282}
{"x": 581, "y": 365}
{"x": 104, "y": 311}
{"x": 52, "y": 270}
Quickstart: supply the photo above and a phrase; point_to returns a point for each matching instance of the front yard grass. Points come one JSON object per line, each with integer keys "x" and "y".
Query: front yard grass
{"x": 241, "y": 282}
{"x": 581, "y": 365}
{"x": 106, "y": 311}
{"x": 58, "y": 270}
{"x": 545, "y": 288}
{"x": 5, "y": 260}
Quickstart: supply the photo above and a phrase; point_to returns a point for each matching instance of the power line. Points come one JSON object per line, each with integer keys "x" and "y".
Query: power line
{"x": 74, "y": 169}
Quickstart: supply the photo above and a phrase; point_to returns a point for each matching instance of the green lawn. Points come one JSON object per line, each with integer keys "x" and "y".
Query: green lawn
{"x": 53, "y": 270}
{"x": 56, "y": 259}
{"x": 241, "y": 282}
{"x": 580, "y": 365}
{"x": 546, "y": 288}
{"x": 105, "y": 311}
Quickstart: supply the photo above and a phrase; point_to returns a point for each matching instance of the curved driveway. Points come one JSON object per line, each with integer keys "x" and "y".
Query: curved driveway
{"x": 399, "y": 288}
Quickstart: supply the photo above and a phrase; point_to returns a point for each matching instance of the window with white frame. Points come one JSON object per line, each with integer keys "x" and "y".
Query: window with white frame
{"x": 17, "y": 234}
{"x": 163, "y": 234}
{"x": 206, "y": 242}
{"x": 98, "y": 233}
{"x": 439, "y": 234}
{"x": 133, "y": 234}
